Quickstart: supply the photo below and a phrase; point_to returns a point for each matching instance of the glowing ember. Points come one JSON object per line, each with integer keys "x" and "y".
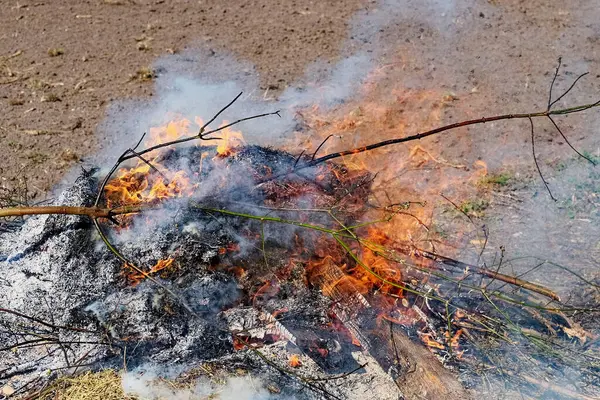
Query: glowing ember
{"x": 294, "y": 361}
{"x": 453, "y": 341}
{"x": 136, "y": 277}
{"x": 430, "y": 342}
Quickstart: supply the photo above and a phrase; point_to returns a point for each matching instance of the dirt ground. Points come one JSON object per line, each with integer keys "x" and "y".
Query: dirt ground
{"x": 61, "y": 63}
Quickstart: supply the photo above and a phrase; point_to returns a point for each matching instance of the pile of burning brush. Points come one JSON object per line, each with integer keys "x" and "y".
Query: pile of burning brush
{"x": 240, "y": 257}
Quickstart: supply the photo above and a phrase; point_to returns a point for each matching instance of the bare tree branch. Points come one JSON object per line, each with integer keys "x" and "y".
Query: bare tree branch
{"x": 537, "y": 165}
{"x": 552, "y": 84}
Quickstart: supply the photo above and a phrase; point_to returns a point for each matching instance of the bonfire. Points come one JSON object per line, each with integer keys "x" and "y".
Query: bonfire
{"x": 226, "y": 260}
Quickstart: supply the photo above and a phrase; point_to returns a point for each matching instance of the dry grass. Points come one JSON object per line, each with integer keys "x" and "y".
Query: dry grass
{"x": 107, "y": 385}
{"x": 116, "y": 2}
{"x": 103, "y": 385}
{"x": 38, "y": 84}
{"x": 7, "y": 71}
{"x": 501, "y": 179}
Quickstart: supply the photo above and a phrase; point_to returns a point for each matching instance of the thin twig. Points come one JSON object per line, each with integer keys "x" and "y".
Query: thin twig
{"x": 537, "y": 165}
{"x": 489, "y": 273}
{"x": 552, "y": 84}
{"x": 92, "y": 212}
{"x": 148, "y": 163}
{"x": 569, "y": 143}
{"x": 47, "y": 324}
{"x": 201, "y": 131}
{"x": 460, "y": 210}
{"x": 299, "y": 157}
{"x": 447, "y": 128}
{"x": 497, "y": 271}
{"x": 321, "y": 145}
{"x": 202, "y": 137}
{"x": 139, "y": 141}
{"x": 569, "y": 89}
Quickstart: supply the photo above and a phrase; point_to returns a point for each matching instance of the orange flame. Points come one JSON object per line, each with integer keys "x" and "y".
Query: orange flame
{"x": 136, "y": 277}
{"x": 294, "y": 361}
{"x": 230, "y": 140}
{"x": 371, "y": 275}
{"x": 398, "y": 184}
{"x": 149, "y": 181}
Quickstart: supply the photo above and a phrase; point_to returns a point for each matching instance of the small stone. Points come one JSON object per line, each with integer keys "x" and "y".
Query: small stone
{"x": 7, "y": 390}
{"x": 50, "y": 98}
{"x": 142, "y": 46}
{"x": 55, "y": 52}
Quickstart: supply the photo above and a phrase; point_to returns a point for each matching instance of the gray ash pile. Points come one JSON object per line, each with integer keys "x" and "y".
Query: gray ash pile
{"x": 234, "y": 258}
{"x": 207, "y": 286}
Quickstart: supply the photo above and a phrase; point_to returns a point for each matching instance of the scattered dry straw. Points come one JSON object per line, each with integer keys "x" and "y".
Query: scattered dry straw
{"x": 103, "y": 385}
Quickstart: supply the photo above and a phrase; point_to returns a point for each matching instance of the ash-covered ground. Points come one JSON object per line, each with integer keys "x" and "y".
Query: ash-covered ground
{"x": 68, "y": 302}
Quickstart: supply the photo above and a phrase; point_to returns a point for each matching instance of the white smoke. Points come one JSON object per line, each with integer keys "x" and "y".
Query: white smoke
{"x": 198, "y": 82}
{"x": 440, "y": 55}
{"x": 150, "y": 383}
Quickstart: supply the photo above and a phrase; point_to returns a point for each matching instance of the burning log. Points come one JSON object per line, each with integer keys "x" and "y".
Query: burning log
{"x": 420, "y": 376}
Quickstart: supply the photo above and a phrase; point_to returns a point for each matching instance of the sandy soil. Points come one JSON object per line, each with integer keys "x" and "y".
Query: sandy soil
{"x": 61, "y": 63}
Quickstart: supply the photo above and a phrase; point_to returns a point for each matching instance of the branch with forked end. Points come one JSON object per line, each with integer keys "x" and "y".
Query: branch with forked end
{"x": 478, "y": 121}
{"x": 548, "y": 113}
